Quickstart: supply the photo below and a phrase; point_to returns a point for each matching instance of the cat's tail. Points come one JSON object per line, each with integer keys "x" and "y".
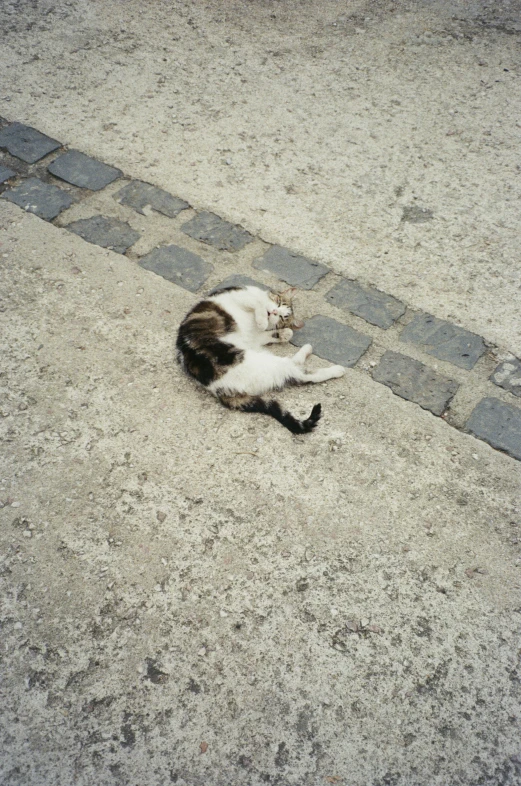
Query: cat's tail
{"x": 246, "y": 403}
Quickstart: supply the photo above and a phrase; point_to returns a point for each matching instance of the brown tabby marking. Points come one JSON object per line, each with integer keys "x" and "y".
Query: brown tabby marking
{"x": 205, "y": 356}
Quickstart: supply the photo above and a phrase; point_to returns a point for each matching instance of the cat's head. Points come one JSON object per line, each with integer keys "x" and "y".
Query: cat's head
{"x": 285, "y": 298}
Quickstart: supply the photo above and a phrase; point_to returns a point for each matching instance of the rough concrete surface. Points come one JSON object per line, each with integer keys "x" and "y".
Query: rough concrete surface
{"x": 194, "y": 596}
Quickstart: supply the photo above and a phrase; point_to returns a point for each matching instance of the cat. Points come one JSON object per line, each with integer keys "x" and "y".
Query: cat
{"x": 221, "y": 345}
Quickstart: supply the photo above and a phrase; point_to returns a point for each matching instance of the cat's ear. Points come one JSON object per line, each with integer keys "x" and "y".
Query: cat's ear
{"x": 290, "y": 292}
{"x": 297, "y": 324}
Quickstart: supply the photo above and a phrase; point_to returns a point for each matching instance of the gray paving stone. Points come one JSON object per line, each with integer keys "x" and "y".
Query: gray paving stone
{"x": 332, "y": 340}
{"x": 213, "y": 230}
{"x": 42, "y": 199}
{"x": 415, "y": 382}
{"x": 414, "y": 214}
{"x": 178, "y": 265}
{"x": 238, "y": 280}
{"x": 508, "y": 375}
{"x": 444, "y": 340}
{"x": 27, "y": 143}
{"x": 6, "y": 173}
{"x": 498, "y": 424}
{"x": 106, "y": 232}
{"x": 290, "y": 267}
{"x": 374, "y": 306}
{"x": 138, "y": 195}
{"x": 80, "y": 170}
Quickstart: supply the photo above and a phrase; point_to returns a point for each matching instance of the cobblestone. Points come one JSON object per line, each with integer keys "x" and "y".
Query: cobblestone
{"x": 83, "y": 171}
{"x": 178, "y": 265}
{"x": 238, "y": 280}
{"x": 369, "y": 303}
{"x": 27, "y": 143}
{"x": 6, "y": 173}
{"x": 332, "y": 340}
{"x": 139, "y": 195}
{"x": 444, "y": 340}
{"x": 213, "y": 230}
{"x": 105, "y": 232}
{"x": 498, "y": 424}
{"x": 296, "y": 270}
{"x": 508, "y": 375}
{"x": 44, "y": 200}
{"x": 415, "y": 382}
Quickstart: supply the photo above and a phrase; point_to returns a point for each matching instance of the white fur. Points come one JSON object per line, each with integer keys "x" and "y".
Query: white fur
{"x": 256, "y": 316}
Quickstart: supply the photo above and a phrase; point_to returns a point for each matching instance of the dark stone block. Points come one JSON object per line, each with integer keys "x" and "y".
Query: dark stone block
{"x": 415, "y": 214}
{"x": 292, "y": 268}
{"x": 238, "y": 280}
{"x": 6, "y": 173}
{"x": 138, "y": 195}
{"x": 81, "y": 170}
{"x": 332, "y": 340}
{"x": 444, "y": 340}
{"x": 27, "y": 143}
{"x": 498, "y": 424}
{"x": 213, "y": 230}
{"x": 374, "y": 306}
{"x": 415, "y": 382}
{"x": 42, "y": 199}
{"x": 508, "y": 375}
{"x": 178, "y": 265}
{"x": 105, "y": 232}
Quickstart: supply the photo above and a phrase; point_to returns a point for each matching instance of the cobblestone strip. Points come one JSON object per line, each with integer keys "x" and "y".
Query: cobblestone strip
{"x": 296, "y": 270}
{"x": 332, "y": 340}
{"x": 444, "y": 340}
{"x": 508, "y": 375}
{"x": 374, "y": 306}
{"x": 178, "y": 265}
{"x": 195, "y": 249}
{"x": 416, "y": 382}
{"x": 498, "y": 424}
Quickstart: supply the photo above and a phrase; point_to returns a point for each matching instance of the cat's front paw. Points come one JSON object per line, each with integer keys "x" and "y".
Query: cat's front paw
{"x": 262, "y": 321}
{"x": 286, "y": 334}
{"x": 337, "y": 371}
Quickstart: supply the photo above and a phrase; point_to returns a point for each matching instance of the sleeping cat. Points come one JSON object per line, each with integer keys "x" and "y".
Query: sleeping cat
{"x": 221, "y": 344}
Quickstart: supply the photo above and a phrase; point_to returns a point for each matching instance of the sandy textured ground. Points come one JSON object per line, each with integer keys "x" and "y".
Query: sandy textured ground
{"x": 193, "y": 596}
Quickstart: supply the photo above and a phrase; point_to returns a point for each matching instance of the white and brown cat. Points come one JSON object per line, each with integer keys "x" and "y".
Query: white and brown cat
{"x": 221, "y": 344}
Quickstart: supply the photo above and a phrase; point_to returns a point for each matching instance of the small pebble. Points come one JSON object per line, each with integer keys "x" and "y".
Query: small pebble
{"x": 15, "y": 504}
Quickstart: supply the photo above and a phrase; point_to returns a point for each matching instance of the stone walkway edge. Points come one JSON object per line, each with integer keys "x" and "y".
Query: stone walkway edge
{"x": 35, "y": 166}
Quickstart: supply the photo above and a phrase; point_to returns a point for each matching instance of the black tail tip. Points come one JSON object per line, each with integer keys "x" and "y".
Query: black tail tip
{"x": 311, "y": 422}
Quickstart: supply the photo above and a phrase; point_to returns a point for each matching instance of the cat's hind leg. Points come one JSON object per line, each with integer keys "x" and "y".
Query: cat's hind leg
{"x": 302, "y": 377}
{"x": 302, "y": 355}
{"x": 323, "y": 374}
